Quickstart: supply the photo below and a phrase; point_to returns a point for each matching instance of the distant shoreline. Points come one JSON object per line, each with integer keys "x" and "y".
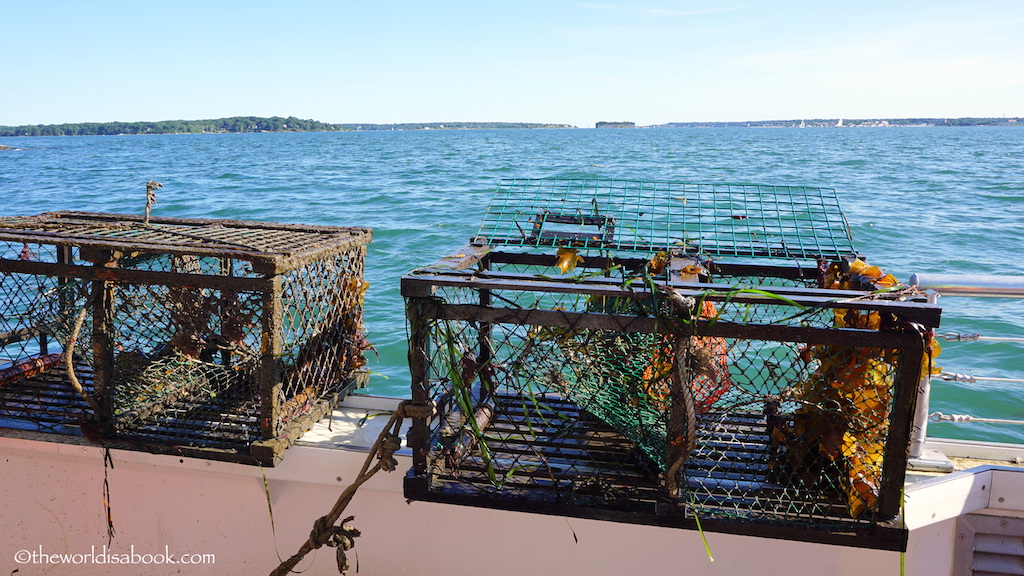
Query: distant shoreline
{"x": 852, "y": 123}
{"x": 253, "y": 124}
{"x": 245, "y": 124}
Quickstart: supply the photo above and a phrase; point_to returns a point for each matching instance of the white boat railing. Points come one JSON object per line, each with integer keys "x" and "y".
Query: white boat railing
{"x": 973, "y": 337}
{"x": 972, "y": 379}
{"x": 934, "y": 285}
{"x": 940, "y": 417}
{"x": 970, "y": 285}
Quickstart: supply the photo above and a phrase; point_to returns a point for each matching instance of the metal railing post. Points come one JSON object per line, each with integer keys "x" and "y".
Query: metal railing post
{"x": 950, "y": 285}
{"x": 921, "y": 410}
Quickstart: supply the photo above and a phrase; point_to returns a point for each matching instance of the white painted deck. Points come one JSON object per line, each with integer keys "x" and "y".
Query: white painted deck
{"x": 53, "y": 499}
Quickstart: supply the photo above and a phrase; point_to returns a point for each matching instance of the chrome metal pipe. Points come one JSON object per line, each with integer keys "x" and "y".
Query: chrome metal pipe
{"x": 971, "y": 284}
{"x": 953, "y": 285}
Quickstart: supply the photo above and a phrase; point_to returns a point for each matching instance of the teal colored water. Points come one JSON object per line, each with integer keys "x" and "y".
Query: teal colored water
{"x": 918, "y": 200}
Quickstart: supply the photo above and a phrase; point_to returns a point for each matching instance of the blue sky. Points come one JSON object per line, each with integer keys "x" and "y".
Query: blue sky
{"x": 513, "y": 61}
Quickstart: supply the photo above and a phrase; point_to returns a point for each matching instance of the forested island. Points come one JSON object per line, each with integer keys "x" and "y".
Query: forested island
{"x": 237, "y": 124}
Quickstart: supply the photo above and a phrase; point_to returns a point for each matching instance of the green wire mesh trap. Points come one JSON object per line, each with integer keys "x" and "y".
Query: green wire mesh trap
{"x": 687, "y": 364}
{"x": 789, "y": 222}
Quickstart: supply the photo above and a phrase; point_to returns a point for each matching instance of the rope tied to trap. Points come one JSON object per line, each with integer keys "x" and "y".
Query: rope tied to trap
{"x": 341, "y": 537}
{"x": 326, "y": 534}
{"x": 326, "y": 529}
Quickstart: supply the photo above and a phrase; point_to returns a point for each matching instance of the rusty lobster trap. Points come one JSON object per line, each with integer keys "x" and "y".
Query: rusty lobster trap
{"x": 214, "y": 338}
{"x": 671, "y": 354}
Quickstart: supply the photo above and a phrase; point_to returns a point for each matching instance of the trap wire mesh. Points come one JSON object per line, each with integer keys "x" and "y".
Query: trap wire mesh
{"x": 742, "y": 395}
{"x": 791, "y": 222}
{"x": 220, "y": 339}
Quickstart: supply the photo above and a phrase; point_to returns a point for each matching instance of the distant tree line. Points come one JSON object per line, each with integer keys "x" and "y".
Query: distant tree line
{"x": 234, "y": 124}
{"x": 851, "y": 122}
{"x": 240, "y": 124}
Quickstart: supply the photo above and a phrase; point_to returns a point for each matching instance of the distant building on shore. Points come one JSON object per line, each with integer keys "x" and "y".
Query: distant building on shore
{"x": 615, "y": 125}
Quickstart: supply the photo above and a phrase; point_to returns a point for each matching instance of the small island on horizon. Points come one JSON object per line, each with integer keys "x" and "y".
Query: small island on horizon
{"x": 255, "y": 124}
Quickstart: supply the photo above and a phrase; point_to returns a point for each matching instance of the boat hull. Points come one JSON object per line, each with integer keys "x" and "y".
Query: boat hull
{"x": 217, "y": 513}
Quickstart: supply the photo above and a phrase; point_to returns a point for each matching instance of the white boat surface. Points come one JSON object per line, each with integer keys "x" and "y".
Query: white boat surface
{"x": 162, "y": 504}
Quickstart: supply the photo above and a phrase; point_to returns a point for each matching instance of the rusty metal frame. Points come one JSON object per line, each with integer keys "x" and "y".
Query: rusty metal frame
{"x": 470, "y": 269}
{"x": 102, "y": 240}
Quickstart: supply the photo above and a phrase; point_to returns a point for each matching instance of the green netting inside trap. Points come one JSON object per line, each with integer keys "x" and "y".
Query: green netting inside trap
{"x": 741, "y": 220}
{"x": 604, "y": 374}
{"x": 149, "y": 386}
{"x": 625, "y": 379}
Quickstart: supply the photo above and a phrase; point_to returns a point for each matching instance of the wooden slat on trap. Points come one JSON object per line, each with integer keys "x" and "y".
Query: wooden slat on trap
{"x": 587, "y": 469}
{"x": 557, "y": 454}
{"x": 46, "y": 401}
{"x": 221, "y": 427}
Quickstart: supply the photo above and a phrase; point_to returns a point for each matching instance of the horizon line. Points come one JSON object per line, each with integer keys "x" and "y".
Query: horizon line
{"x": 804, "y": 119}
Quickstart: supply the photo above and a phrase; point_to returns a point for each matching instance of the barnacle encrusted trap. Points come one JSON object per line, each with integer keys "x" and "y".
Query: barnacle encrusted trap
{"x": 215, "y": 338}
{"x": 667, "y": 353}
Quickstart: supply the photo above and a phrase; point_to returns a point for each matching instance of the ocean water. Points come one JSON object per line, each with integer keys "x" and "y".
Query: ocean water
{"x": 917, "y": 199}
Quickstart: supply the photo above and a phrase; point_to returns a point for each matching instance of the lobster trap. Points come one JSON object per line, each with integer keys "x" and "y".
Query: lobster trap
{"x": 212, "y": 338}
{"x": 670, "y": 354}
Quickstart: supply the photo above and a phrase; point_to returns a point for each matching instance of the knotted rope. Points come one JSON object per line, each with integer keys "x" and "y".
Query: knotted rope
{"x": 326, "y": 530}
